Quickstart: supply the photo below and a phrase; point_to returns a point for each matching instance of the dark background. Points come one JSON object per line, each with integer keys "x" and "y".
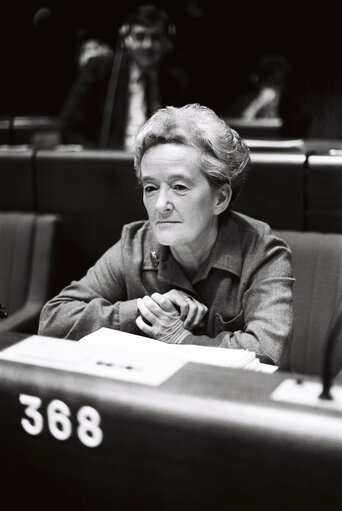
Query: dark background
{"x": 216, "y": 41}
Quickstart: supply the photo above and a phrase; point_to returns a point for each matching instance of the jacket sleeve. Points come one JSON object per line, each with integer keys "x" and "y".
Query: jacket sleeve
{"x": 265, "y": 322}
{"x": 97, "y": 300}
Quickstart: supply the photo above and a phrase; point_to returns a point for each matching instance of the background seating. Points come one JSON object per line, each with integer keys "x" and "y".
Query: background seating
{"x": 26, "y": 262}
{"x": 17, "y": 185}
{"x": 279, "y": 145}
{"x": 317, "y": 268}
{"x": 274, "y": 190}
{"x": 256, "y": 128}
{"x": 95, "y": 193}
{"x": 324, "y": 193}
{"x": 25, "y": 130}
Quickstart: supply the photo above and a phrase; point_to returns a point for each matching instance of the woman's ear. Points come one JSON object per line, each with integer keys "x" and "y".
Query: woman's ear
{"x": 224, "y": 196}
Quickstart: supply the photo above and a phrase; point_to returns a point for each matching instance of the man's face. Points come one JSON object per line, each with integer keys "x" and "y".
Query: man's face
{"x": 147, "y": 45}
{"x": 178, "y": 198}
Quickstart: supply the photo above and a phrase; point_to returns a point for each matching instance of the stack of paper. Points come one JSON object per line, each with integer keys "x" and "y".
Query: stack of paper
{"x": 119, "y": 355}
{"x": 108, "y": 339}
{"x": 239, "y": 358}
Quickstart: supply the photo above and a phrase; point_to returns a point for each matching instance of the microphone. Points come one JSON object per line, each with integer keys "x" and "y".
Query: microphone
{"x": 112, "y": 85}
{"x": 42, "y": 19}
{"x": 3, "y": 312}
{"x": 334, "y": 335}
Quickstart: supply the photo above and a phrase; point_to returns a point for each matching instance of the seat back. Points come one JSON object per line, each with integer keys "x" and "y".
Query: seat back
{"x": 26, "y": 259}
{"x": 17, "y": 231}
{"x": 324, "y": 193}
{"x": 274, "y": 190}
{"x": 317, "y": 268}
{"x": 256, "y": 128}
{"x": 16, "y": 180}
{"x": 95, "y": 193}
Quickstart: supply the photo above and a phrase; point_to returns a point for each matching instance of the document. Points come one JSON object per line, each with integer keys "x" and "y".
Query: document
{"x": 119, "y": 355}
{"x": 238, "y": 358}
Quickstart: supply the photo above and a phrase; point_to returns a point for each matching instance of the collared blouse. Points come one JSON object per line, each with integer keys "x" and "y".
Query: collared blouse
{"x": 246, "y": 285}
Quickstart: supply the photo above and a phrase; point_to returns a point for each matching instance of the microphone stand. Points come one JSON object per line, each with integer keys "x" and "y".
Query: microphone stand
{"x": 10, "y": 129}
{"x": 3, "y": 312}
{"x": 112, "y": 85}
{"x": 332, "y": 339}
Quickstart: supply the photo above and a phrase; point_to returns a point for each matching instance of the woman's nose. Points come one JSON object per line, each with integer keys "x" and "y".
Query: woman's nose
{"x": 162, "y": 202}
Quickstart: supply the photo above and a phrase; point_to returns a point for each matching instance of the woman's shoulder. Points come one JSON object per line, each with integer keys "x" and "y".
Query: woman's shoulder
{"x": 255, "y": 233}
{"x": 249, "y": 224}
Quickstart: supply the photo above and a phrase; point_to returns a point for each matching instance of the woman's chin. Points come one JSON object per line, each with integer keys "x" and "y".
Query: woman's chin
{"x": 166, "y": 238}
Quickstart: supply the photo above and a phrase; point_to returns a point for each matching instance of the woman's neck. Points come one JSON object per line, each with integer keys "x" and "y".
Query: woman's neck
{"x": 192, "y": 257}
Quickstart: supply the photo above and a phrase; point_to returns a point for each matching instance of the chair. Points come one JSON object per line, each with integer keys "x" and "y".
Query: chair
{"x": 256, "y": 128}
{"x": 280, "y": 145}
{"x": 317, "y": 268}
{"x": 26, "y": 257}
{"x": 324, "y": 193}
{"x": 94, "y": 193}
{"x": 16, "y": 180}
{"x": 274, "y": 190}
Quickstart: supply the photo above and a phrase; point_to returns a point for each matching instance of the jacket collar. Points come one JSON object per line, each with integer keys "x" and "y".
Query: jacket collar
{"x": 226, "y": 255}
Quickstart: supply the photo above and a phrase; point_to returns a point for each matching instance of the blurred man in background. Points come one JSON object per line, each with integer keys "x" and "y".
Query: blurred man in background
{"x": 115, "y": 94}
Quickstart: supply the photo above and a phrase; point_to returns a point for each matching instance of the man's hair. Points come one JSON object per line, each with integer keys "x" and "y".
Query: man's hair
{"x": 224, "y": 155}
{"x": 148, "y": 15}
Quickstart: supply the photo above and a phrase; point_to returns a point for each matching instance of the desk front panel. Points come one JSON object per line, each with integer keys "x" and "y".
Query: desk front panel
{"x": 207, "y": 438}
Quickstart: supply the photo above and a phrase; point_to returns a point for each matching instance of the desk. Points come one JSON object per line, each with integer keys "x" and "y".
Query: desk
{"x": 39, "y": 131}
{"x": 207, "y": 438}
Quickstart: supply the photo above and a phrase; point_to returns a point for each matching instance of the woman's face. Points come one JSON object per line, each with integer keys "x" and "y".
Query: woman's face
{"x": 181, "y": 205}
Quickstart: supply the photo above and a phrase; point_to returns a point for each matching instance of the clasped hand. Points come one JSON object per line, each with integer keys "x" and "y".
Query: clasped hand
{"x": 170, "y": 316}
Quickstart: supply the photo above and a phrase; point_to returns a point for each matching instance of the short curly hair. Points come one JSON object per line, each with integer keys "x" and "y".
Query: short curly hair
{"x": 224, "y": 155}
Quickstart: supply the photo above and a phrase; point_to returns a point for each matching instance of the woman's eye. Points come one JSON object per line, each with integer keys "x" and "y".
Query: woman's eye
{"x": 149, "y": 188}
{"x": 180, "y": 188}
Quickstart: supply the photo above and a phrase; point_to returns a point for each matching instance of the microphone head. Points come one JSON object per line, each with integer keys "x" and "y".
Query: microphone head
{"x": 42, "y": 18}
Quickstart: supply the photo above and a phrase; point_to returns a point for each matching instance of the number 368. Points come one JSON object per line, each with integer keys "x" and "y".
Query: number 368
{"x": 58, "y": 420}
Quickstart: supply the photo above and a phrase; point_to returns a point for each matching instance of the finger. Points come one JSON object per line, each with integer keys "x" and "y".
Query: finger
{"x": 179, "y": 301}
{"x": 153, "y": 306}
{"x": 196, "y": 314}
{"x": 192, "y": 313}
{"x": 145, "y": 311}
{"x": 143, "y": 326}
{"x": 185, "y": 308}
{"x": 201, "y": 312}
{"x": 163, "y": 302}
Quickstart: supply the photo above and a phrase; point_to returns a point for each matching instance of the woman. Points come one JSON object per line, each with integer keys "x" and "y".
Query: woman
{"x": 195, "y": 272}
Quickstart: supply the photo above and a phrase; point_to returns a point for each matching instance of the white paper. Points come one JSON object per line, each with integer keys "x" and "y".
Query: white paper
{"x": 222, "y": 357}
{"x": 115, "y": 361}
{"x": 120, "y": 355}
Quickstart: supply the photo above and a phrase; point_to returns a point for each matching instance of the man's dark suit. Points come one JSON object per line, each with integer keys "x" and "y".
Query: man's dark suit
{"x": 83, "y": 112}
